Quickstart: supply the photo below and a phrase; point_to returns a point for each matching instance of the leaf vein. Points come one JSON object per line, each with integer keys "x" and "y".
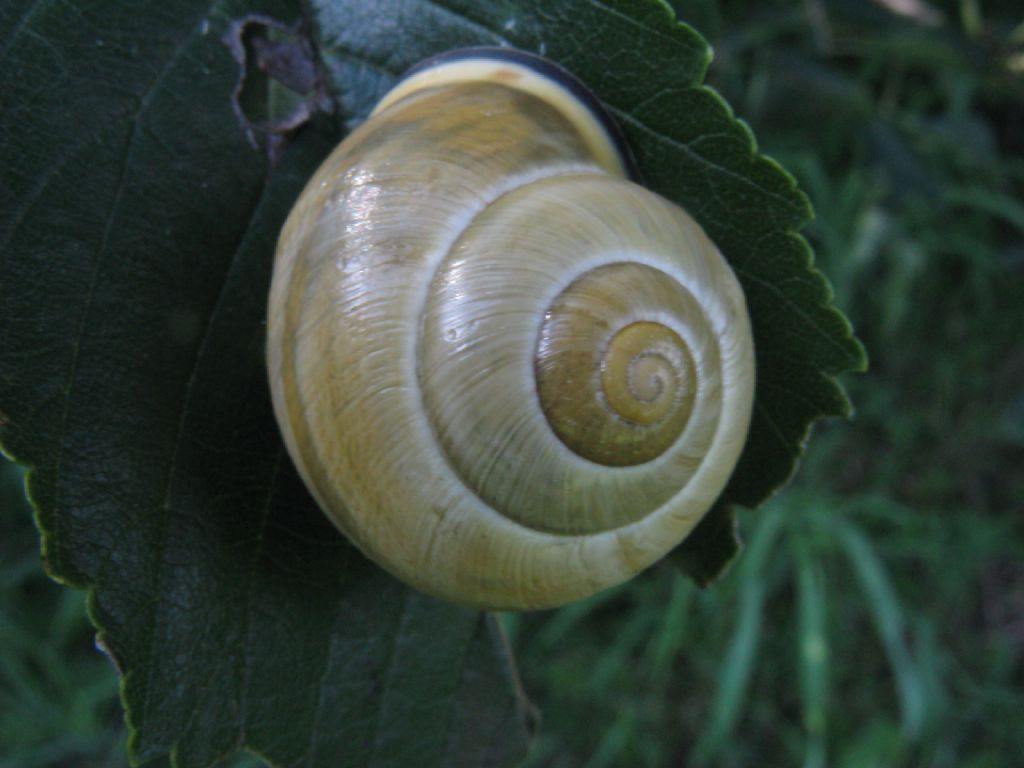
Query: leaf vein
{"x": 43, "y": 182}
{"x": 450, "y": 717}
{"x": 777, "y": 430}
{"x": 19, "y": 27}
{"x": 461, "y": 16}
{"x": 829, "y": 339}
{"x": 693, "y": 154}
{"x": 626, "y": 19}
{"x": 163, "y": 522}
{"x": 389, "y": 671}
{"x": 318, "y": 705}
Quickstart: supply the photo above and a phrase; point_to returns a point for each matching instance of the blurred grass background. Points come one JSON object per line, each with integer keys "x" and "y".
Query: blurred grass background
{"x": 876, "y": 617}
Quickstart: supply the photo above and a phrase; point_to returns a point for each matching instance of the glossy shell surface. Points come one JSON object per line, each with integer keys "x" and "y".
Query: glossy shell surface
{"x": 510, "y": 375}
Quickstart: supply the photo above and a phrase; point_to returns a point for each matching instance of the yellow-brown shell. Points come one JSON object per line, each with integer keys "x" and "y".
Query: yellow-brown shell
{"x": 512, "y": 377}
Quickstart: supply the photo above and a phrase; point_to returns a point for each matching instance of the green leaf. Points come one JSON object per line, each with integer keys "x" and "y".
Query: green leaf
{"x": 136, "y": 232}
{"x": 710, "y": 548}
{"x": 137, "y": 226}
{"x": 648, "y": 70}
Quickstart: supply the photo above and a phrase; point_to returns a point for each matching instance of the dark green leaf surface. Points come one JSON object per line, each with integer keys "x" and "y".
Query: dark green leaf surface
{"x": 136, "y": 230}
{"x": 648, "y": 70}
{"x": 710, "y": 548}
{"x": 136, "y": 235}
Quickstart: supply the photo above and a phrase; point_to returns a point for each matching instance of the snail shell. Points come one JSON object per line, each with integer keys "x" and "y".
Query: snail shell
{"x": 510, "y": 375}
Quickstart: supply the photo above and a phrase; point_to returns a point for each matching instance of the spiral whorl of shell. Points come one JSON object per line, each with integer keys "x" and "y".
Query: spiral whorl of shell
{"x": 509, "y": 375}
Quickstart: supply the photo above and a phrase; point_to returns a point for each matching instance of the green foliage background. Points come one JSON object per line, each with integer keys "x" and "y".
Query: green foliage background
{"x": 877, "y": 615}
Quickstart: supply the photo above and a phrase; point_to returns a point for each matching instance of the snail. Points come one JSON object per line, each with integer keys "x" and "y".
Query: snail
{"x": 510, "y": 374}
